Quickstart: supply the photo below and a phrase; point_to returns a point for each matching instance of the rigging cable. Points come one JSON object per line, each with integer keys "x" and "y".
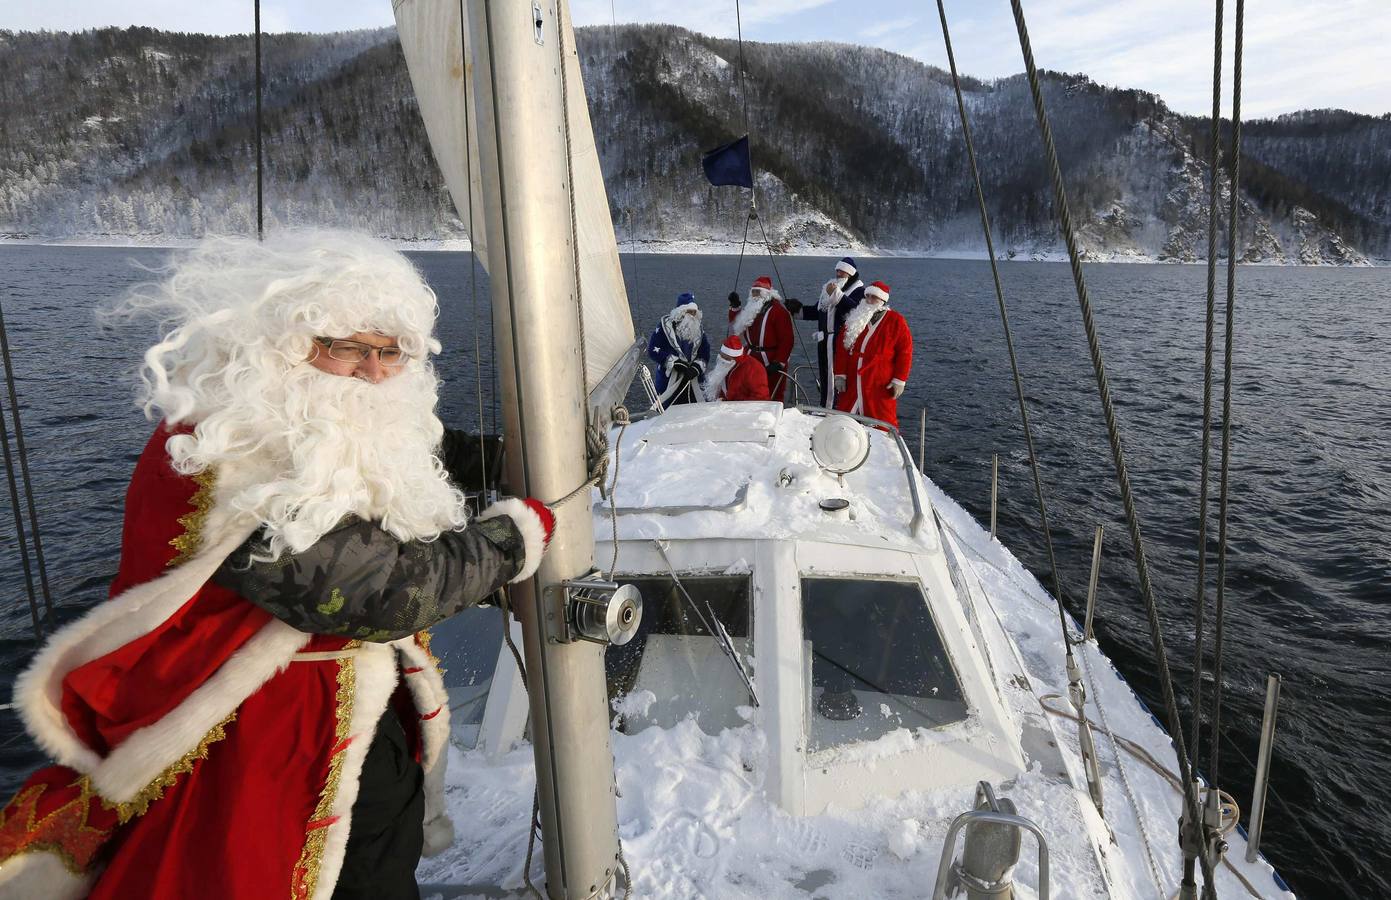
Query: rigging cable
{"x": 1112, "y": 427}
{"x": 1219, "y": 611}
{"x": 1076, "y": 689}
{"x": 1009, "y": 337}
{"x": 22, "y": 452}
{"x": 1200, "y": 601}
{"x": 260, "y": 203}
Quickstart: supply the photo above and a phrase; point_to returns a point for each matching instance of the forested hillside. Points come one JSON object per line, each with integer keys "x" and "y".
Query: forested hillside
{"x": 142, "y": 134}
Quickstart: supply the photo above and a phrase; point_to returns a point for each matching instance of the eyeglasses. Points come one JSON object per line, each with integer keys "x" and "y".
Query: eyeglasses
{"x": 348, "y": 351}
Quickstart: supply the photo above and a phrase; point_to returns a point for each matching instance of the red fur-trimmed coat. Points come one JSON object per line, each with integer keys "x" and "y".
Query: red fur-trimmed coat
{"x": 747, "y": 380}
{"x": 769, "y": 339}
{"x": 881, "y": 355}
{"x": 204, "y": 748}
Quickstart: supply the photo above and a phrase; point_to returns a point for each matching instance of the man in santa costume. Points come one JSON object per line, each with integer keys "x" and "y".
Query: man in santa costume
{"x": 679, "y": 348}
{"x": 255, "y": 711}
{"x": 873, "y": 358}
{"x": 737, "y": 375}
{"x": 838, "y": 297}
{"x": 764, "y": 326}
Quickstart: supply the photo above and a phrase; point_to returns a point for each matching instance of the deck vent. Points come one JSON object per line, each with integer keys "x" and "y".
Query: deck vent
{"x": 839, "y": 445}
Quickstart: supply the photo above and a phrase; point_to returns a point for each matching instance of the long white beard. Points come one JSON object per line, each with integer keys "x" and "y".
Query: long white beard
{"x": 714, "y": 379}
{"x": 857, "y": 320}
{"x": 316, "y": 447}
{"x": 752, "y": 307}
{"x": 830, "y": 295}
{"x": 688, "y": 329}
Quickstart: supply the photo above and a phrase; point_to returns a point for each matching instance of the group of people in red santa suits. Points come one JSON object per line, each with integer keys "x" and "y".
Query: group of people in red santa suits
{"x": 869, "y": 346}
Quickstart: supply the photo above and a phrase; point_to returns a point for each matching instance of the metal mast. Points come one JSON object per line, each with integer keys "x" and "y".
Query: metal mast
{"x": 520, "y": 107}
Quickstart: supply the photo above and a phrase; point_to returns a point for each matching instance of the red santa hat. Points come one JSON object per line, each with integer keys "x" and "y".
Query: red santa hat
{"x": 732, "y": 346}
{"x": 879, "y": 291}
{"x": 763, "y": 283}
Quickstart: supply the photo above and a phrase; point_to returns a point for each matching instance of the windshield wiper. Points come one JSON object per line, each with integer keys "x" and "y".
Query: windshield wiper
{"x": 712, "y": 625}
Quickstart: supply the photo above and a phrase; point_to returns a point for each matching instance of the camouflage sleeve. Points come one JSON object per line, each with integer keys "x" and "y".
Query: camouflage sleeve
{"x": 358, "y": 581}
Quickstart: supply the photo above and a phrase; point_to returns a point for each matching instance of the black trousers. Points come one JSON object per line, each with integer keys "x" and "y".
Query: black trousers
{"x": 387, "y": 831}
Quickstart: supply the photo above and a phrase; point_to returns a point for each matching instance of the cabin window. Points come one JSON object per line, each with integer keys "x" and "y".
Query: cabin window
{"x": 874, "y": 661}
{"x": 675, "y": 667}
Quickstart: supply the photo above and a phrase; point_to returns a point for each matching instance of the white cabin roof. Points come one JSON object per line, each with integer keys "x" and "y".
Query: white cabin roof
{"x": 745, "y": 471}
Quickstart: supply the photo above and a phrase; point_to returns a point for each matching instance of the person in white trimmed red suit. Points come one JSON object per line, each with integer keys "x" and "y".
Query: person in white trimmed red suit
{"x": 873, "y": 358}
{"x": 255, "y": 712}
{"x": 736, "y": 375}
{"x": 765, "y": 327}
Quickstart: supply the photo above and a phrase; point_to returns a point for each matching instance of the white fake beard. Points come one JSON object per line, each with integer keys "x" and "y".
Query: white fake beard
{"x": 752, "y": 307}
{"x": 830, "y": 294}
{"x": 857, "y": 320}
{"x": 317, "y": 447}
{"x": 714, "y": 380}
{"x": 688, "y": 328}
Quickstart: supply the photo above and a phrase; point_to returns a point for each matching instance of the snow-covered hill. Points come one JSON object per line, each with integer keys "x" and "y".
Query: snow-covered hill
{"x": 141, "y": 135}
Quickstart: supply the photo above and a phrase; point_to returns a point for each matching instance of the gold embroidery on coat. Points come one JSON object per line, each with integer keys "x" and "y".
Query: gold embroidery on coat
{"x": 188, "y": 543}
{"x": 155, "y": 789}
{"x": 67, "y": 832}
{"x": 306, "y": 873}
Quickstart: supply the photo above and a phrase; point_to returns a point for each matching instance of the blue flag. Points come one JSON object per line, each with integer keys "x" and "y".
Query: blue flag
{"x": 729, "y": 164}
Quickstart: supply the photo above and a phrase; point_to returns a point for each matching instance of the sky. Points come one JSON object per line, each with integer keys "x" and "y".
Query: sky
{"x": 1299, "y": 54}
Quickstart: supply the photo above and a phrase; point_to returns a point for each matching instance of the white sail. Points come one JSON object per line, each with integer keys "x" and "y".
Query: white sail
{"x": 439, "y": 57}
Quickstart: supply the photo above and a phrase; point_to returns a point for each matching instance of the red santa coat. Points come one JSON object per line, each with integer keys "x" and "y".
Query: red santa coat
{"x": 771, "y": 331}
{"x": 204, "y": 748}
{"x": 883, "y": 353}
{"x": 748, "y": 380}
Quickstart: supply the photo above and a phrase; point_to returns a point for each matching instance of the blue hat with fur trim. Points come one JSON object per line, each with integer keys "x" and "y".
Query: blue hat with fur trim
{"x": 685, "y": 298}
{"x": 847, "y": 265}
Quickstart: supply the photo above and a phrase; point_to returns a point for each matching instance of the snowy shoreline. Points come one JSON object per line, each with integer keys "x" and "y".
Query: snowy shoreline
{"x": 690, "y": 248}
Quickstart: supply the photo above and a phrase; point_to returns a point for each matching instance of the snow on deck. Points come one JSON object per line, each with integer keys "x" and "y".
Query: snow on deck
{"x": 692, "y": 814}
{"x": 703, "y": 455}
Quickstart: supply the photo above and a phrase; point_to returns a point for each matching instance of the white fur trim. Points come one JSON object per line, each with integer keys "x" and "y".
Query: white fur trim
{"x": 529, "y": 524}
{"x": 40, "y": 875}
{"x": 429, "y": 695}
{"x": 108, "y": 626}
{"x": 141, "y": 757}
{"x": 731, "y": 352}
{"x": 899, "y": 381}
{"x": 843, "y": 266}
{"x": 374, "y": 682}
{"x": 873, "y": 291}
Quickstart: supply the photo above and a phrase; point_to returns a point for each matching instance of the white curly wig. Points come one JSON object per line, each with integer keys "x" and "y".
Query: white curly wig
{"x": 296, "y": 447}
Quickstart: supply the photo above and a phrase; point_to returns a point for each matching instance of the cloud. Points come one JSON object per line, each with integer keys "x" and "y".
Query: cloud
{"x": 888, "y": 27}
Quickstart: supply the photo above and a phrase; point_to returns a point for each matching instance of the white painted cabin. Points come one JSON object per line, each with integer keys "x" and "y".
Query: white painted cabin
{"x": 899, "y": 655}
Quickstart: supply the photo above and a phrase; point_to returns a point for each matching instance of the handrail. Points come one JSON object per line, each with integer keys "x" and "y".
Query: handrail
{"x": 909, "y": 469}
{"x": 740, "y": 498}
{"x": 797, "y": 390}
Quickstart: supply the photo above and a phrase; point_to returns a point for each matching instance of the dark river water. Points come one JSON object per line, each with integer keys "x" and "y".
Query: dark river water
{"x": 1309, "y": 564}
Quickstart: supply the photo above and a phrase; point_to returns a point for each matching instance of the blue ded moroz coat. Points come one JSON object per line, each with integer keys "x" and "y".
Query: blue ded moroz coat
{"x": 665, "y": 348}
